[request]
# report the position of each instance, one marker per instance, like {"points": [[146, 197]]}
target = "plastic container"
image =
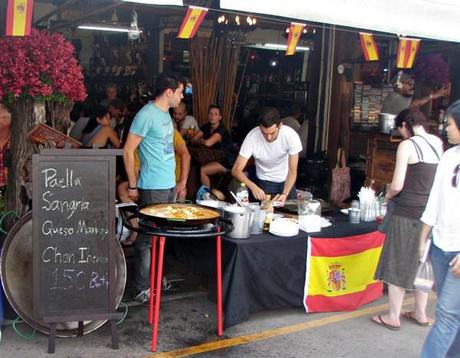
{"points": [[309, 212], [242, 194], [355, 204], [255, 220], [353, 215], [368, 210]]}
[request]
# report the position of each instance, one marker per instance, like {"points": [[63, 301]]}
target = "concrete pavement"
{"points": [[187, 327]]}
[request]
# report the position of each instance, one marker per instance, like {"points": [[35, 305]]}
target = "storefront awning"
{"points": [[433, 19]]}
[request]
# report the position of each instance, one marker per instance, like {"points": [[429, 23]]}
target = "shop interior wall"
{"points": [[346, 51]]}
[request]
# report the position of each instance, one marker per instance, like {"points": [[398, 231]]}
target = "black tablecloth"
{"points": [[263, 272]]}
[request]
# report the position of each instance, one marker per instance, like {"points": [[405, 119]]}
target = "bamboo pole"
{"points": [[243, 72], [229, 96], [205, 60]]}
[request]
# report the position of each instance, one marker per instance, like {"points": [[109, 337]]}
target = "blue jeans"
{"points": [[143, 243], [273, 188], [444, 338]]}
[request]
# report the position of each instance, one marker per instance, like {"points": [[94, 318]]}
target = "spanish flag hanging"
{"points": [[368, 46], [295, 31], [340, 271], [19, 17], [407, 50], [192, 21]]}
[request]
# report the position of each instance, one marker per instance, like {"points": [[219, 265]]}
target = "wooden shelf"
{"points": [[381, 160]]}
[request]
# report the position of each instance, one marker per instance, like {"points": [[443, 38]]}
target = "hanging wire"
{"points": [[19, 333], [125, 313], [3, 217]]}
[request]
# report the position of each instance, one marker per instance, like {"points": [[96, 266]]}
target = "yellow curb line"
{"points": [[230, 342]]}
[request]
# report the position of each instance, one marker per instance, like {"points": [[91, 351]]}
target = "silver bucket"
{"points": [[241, 218]]}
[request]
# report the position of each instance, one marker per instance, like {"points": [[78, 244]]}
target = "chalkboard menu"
{"points": [[73, 233]]}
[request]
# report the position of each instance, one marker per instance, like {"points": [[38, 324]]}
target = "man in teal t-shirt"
{"points": [[156, 150], [152, 134]]}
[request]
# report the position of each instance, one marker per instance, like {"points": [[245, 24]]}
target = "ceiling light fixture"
{"points": [[271, 46], [251, 20], [105, 27]]}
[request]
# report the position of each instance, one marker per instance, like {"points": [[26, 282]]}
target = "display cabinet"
{"points": [[381, 160]]}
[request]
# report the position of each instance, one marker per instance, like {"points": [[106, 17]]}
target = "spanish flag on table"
{"points": [[340, 272], [192, 21], [295, 31], [407, 50], [19, 17], [368, 46]]}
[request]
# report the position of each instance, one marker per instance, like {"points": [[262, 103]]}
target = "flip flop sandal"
{"points": [[409, 315], [382, 323]]}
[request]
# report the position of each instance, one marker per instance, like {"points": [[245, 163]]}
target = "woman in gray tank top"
{"points": [[416, 160]]}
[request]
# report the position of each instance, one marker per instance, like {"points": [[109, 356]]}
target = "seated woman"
{"points": [[98, 131], [214, 135]]}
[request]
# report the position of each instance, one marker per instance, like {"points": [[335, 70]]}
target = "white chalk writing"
{"points": [[63, 205], [64, 182]]}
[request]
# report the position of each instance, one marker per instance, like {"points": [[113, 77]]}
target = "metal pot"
{"points": [[386, 122], [241, 218]]}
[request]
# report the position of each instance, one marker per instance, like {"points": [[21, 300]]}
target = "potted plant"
{"points": [[37, 68]]}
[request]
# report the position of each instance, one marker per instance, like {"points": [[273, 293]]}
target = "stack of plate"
{"points": [[284, 227]]}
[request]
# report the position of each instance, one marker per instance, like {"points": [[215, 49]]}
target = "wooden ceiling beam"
{"points": [[87, 16], [57, 10]]}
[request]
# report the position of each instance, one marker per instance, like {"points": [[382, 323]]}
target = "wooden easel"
{"points": [[113, 318]]}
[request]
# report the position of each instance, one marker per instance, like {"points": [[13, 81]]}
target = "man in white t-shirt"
{"points": [[182, 121], [275, 149]]}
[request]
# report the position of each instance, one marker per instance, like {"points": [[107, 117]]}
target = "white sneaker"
{"points": [[143, 296]]}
